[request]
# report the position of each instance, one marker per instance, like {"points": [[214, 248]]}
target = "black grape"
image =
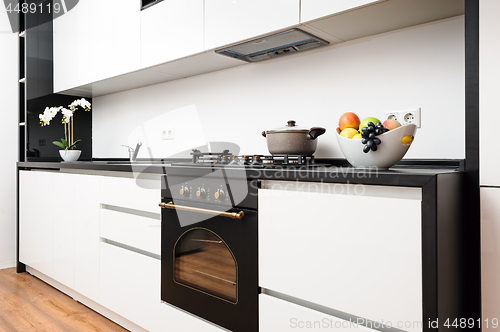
{"points": [[372, 135], [376, 141], [374, 147], [366, 149], [364, 140]]}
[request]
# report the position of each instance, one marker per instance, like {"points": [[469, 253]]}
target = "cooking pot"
{"points": [[293, 140]]}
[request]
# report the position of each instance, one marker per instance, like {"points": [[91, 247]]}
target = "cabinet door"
{"points": [[490, 253], [230, 21], [278, 315], [73, 47], [489, 71], [35, 223], [313, 9], [357, 254], [63, 227], [130, 286], [170, 30], [86, 218]]}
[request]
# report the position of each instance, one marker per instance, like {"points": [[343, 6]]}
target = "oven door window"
{"points": [[203, 261]]}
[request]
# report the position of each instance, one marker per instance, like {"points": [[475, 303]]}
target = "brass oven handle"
{"points": [[233, 215]]}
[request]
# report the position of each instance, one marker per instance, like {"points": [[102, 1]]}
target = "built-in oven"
{"points": [[209, 257]]}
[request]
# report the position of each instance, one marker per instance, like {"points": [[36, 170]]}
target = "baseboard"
{"points": [[111, 315]]}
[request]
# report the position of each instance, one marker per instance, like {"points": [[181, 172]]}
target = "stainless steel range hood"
{"points": [[273, 46]]}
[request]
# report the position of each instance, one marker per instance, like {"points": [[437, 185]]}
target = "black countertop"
{"points": [[402, 175]]}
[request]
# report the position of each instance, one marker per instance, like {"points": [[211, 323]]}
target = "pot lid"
{"points": [[290, 127]]}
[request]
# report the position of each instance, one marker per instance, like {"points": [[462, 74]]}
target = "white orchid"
{"points": [[48, 115], [67, 114], [68, 143]]}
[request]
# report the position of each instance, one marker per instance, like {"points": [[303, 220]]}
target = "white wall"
{"points": [[8, 137], [421, 66]]}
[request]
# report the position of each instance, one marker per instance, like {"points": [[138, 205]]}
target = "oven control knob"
{"points": [[184, 191], [220, 195], [201, 193]]}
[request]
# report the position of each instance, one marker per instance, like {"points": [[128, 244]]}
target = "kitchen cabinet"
{"points": [[489, 71], [279, 315], [313, 9], [490, 254], [356, 253], [58, 227], [115, 38], [73, 47], [170, 30], [230, 21], [35, 226], [86, 219]]}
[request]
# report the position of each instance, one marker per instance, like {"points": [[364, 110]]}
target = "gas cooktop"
{"points": [[226, 158]]}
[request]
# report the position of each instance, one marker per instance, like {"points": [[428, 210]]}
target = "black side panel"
{"points": [[39, 54], [471, 248]]}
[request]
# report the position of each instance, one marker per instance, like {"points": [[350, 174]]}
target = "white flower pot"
{"points": [[70, 155]]}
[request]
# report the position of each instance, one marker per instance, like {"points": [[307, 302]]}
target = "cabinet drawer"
{"points": [[279, 315], [133, 230], [130, 286], [126, 192], [341, 251]]}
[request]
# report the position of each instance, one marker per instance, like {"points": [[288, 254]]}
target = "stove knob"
{"points": [[184, 191], [201, 193], [220, 195]]}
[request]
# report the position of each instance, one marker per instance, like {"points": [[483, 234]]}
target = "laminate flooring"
{"points": [[29, 304]]}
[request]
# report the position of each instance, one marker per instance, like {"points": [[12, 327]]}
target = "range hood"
{"points": [[272, 46]]}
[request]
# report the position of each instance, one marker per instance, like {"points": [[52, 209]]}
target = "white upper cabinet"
{"points": [[229, 21], [489, 71], [313, 9], [116, 38], [73, 47], [170, 30]]}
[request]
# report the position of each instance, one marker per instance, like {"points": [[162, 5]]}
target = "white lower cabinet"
{"points": [[276, 315], [130, 286], [354, 253], [86, 220]]}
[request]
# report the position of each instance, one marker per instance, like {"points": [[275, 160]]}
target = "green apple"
{"points": [[364, 123]]}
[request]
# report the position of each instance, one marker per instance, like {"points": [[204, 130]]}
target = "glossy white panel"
{"points": [[9, 67], [489, 71], [136, 231], [36, 201], [279, 315], [312, 9], [63, 226], [343, 252], [490, 254], [86, 217], [229, 21], [130, 286], [102, 55], [171, 29], [126, 36], [143, 195]]}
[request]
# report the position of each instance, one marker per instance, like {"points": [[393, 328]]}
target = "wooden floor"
{"points": [[29, 304]]}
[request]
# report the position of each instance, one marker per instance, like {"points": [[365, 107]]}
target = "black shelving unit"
{"points": [[22, 87]]}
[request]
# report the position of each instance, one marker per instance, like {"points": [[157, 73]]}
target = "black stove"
{"points": [[226, 158]]}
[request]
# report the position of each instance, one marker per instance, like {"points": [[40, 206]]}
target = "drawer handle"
{"points": [[232, 215]]}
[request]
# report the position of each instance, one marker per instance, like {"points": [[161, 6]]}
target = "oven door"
{"points": [[210, 268]]}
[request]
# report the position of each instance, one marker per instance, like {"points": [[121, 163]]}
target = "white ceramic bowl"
{"points": [[70, 155], [388, 153]]}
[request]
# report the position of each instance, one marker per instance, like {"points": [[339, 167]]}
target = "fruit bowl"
{"points": [[391, 149]]}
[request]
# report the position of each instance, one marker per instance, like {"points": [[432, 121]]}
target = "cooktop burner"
{"points": [[226, 158]]}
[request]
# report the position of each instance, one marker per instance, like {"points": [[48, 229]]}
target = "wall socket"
{"points": [[168, 133], [406, 117]]}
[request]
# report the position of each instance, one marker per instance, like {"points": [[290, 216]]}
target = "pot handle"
{"points": [[315, 132], [264, 133]]}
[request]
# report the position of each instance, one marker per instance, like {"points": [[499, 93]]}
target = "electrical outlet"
{"points": [[392, 115], [411, 116], [168, 133], [406, 117]]}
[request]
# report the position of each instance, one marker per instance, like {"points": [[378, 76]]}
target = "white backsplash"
{"points": [[422, 66]]}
